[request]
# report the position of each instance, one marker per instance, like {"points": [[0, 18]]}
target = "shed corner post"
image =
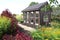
{"points": [[39, 18], [25, 17]]}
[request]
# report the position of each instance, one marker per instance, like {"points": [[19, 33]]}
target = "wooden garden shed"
{"points": [[33, 15]]}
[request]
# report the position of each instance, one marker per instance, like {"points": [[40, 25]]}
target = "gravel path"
{"points": [[27, 28]]}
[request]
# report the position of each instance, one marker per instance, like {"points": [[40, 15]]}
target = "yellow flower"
{"points": [[57, 32]]}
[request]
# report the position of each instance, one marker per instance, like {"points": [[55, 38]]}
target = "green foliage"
{"points": [[53, 1], [52, 34], [46, 33], [20, 18], [46, 8], [37, 35], [55, 23], [50, 6], [33, 3], [55, 33], [4, 25]]}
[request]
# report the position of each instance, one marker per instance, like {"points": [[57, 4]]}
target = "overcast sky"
{"points": [[16, 6]]}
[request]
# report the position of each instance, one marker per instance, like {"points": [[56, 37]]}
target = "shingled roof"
{"points": [[35, 7]]}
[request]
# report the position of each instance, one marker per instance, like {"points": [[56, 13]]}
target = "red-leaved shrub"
{"points": [[15, 31], [18, 36], [14, 21], [22, 36]]}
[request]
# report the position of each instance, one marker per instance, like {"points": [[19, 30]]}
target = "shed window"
{"points": [[36, 20], [31, 20], [37, 15], [45, 18]]}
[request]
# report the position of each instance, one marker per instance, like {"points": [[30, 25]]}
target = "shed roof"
{"points": [[34, 7]]}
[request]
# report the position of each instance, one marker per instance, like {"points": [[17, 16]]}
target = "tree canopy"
{"points": [[53, 1], [49, 6], [50, 2], [33, 3]]}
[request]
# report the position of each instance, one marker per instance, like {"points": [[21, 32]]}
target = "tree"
{"points": [[53, 1], [49, 6], [33, 3]]}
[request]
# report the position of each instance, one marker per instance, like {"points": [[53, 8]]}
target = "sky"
{"points": [[16, 6]]}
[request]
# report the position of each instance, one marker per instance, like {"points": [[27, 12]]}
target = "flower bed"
{"points": [[47, 33]]}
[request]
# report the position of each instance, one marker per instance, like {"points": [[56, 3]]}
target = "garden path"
{"points": [[26, 27]]}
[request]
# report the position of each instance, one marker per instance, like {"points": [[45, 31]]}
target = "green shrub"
{"points": [[56, 33], [4, 25], [46, 34], [37, 35]]}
